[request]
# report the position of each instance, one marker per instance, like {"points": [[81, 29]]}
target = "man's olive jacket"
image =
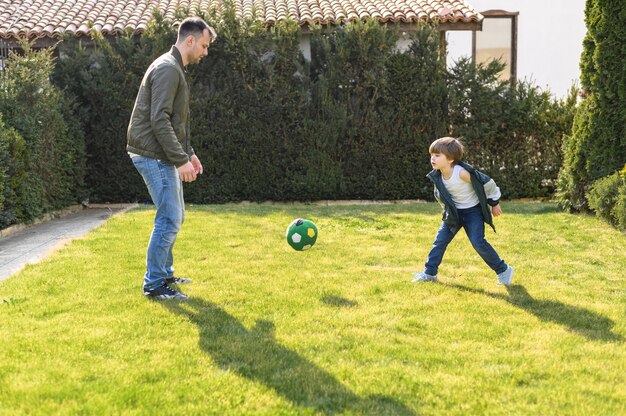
{"points": [[159, 125]]}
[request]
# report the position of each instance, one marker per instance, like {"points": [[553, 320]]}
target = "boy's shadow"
{"points": [[578, 320], [255, 354]]}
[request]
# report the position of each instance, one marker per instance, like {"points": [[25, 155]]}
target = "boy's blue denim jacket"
{"points": [[486, 189]]}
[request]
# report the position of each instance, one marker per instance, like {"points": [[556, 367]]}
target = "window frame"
{"points": [[502, 14]]}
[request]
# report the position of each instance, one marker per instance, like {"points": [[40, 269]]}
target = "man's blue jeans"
{"points": [[166, 191], [472, 221]]}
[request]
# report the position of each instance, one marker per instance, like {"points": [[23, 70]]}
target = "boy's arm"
{"points": [[493, 193], [493, 197], [491, 189]]}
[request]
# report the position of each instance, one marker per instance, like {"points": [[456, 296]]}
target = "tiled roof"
{"points": [[53, 18]]}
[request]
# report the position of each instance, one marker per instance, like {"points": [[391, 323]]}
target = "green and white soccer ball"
{"points": [[301, 234]]}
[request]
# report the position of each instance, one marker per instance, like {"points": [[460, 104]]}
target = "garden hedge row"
{"points": [[353, 123], [41, 145]]}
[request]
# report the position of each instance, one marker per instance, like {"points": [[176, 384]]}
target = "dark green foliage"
{"points": [[44, 156], [104, 82], [355, 122], [386, 107], [597, 146], [13, 178], [249, 99], [273, 128], [5, 157], [512, 132], [607, 198]]}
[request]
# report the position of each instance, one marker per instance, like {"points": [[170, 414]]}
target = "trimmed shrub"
{"points": [[386, 107], [513, 132], [353, 123], [619, 211], [248, 107], [607, 198], [4, 161], [45, 155], [14, 180], [103, 81]]}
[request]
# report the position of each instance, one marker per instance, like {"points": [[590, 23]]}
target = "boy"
{"points": [[466, 195]]}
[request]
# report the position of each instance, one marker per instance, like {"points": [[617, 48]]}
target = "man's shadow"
{"points": [[577, 320], [255, 354]]}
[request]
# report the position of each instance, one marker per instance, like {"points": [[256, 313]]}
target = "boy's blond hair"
{"points": [[449, 146]]}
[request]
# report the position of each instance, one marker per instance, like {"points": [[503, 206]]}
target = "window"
{"points": [[497, 40]]}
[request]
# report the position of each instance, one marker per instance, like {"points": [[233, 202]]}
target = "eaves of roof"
{"points": [[52, 19]]}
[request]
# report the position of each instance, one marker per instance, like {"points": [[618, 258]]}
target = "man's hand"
{"points": [[197, 165], [497, 210], [187, 172]]}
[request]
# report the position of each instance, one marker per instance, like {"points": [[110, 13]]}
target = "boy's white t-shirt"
{"points": [[462, 193]]}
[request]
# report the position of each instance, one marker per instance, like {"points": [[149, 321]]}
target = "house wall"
{"points": [[549, 40], [305, 45]]}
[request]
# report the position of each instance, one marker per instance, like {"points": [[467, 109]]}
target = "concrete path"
{"points": [[32, 243]]}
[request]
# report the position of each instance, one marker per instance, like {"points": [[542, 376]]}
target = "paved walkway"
{"points": [[31, 244]]}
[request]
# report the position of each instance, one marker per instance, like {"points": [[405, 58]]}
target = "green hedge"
{"points": [[103, 81], [12, 174], [41, 145], [513, 132], [355, 122]]}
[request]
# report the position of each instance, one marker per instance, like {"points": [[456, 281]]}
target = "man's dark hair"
{"points": [[192, 26]]}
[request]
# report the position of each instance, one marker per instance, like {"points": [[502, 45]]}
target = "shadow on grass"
{"points": [[338, 301], [255, 354], [578, 320]]}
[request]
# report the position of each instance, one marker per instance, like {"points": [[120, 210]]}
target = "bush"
{"points": [[104, 82], [12, 174], [248, 115], [45, 156], [382, 122], [619, 211], [607, 198], [355, 123], [513, 132]]}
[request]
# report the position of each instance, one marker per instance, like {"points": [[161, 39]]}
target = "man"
{"points": [[159, 146]]}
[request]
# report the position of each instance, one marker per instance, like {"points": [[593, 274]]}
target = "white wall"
{"points": [[549, 40], [305, 45]]}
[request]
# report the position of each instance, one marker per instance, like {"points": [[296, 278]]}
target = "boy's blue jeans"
{"points": [[166, 191], [471, 220]]}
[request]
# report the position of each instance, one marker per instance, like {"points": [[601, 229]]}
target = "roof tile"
{"points": [[51, 18]]}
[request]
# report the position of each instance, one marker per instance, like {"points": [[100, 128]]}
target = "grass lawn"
{"points": [[337, 329]]}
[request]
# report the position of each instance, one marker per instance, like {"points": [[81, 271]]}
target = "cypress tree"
{"points": [[597, 146]]}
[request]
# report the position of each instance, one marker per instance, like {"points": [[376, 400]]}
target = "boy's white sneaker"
{"points": [[506, 276], [423, 277]]}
